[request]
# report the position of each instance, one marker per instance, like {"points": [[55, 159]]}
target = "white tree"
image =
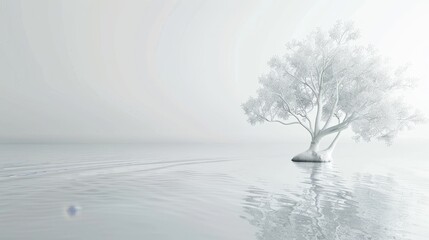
{"points": [[329, 82]]}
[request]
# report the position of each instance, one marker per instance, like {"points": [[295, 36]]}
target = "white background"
{"points": [[173, 71]]}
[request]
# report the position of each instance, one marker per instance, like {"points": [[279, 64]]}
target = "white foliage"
{"points": [[328, 82]]}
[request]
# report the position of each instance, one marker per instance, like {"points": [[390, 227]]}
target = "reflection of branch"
{"points": [[293, 219], [314, 187], [324, 209]]}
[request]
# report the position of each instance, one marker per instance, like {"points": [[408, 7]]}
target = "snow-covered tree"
{"points": [[329, 82]]}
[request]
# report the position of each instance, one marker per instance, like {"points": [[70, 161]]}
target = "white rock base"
{"points": [[313, 156]]}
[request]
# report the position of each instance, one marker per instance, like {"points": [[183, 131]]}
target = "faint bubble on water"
{"points": [[73, 210]]}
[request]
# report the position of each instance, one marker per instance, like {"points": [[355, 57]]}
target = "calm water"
{"points": [[211, 192]]}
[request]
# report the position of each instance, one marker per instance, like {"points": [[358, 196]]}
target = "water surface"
{"points": [[210, 192]]}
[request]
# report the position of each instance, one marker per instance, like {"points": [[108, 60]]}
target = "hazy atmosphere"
{"points": [[173, 71], [214, 119]]}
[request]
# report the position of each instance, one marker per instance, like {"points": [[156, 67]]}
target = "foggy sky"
{"points": [[168, 71]]}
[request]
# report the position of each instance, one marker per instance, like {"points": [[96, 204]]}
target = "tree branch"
{"points": [[334, 142], [340, 126], [294, 115], [334, 106], [308, 119], [301, 81], [278, 121]]}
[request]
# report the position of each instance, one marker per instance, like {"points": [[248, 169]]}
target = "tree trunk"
{"points": [[314, 146]]}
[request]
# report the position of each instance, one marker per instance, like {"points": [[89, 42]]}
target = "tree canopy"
{"points": [[330, 81]]}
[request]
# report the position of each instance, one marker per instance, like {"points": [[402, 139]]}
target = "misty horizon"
{"points": [[171, 71], [199, 119]]}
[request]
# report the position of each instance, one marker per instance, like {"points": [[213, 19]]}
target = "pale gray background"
{"points": [[172, 71]]}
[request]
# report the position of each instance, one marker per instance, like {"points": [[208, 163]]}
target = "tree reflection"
{"points": [[325, 209]]}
